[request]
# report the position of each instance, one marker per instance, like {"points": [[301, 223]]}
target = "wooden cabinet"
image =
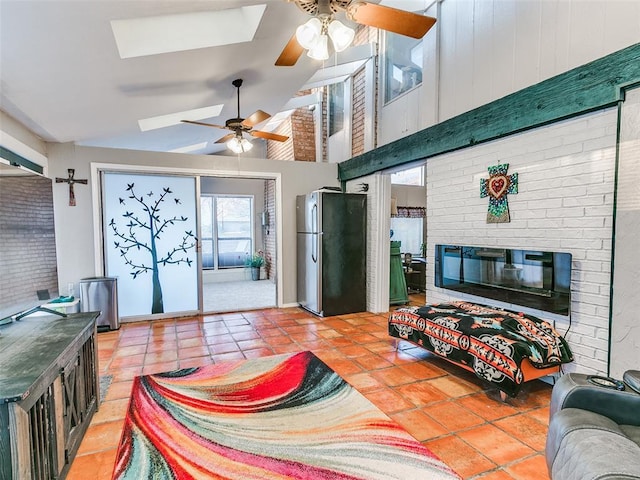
{"points": [[48, 393]]}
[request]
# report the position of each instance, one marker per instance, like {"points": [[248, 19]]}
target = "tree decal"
{"points": [[140, 234]]}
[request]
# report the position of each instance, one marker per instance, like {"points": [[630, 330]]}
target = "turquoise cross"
{"points": [[497, 187]]}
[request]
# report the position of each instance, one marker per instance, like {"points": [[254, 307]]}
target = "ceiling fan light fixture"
{"points": [[308, 33], [341, 35], [239, 144], [320, 51]]}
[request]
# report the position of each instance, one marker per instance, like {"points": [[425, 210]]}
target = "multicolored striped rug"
{"points": [[281, 417]]}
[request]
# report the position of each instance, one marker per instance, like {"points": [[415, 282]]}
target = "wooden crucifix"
{"points": [[71, 181]]}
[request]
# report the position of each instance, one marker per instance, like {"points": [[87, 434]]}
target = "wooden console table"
{"points": [[48, 393]]}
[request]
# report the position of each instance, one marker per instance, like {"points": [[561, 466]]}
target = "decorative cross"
{"points": [[71, 181], [496, 187]]}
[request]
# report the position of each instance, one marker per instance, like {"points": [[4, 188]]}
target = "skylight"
{"points": [[136, 37], [175, 118]]}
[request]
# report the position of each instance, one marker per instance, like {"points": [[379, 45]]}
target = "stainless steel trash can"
{"points": [[101, 294]]}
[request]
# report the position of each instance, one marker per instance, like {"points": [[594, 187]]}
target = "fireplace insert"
{"points": [[529, 278]]}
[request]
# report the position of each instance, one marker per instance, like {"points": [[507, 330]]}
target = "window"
{"points": [[336, 108], [403, 65], [409, 231], [412, 176], [227, 233]]}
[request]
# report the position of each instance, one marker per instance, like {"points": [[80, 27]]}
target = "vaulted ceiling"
{"points": [[66, 77]]}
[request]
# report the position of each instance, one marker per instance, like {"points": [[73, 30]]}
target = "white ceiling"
{"points": [[62, 77]]}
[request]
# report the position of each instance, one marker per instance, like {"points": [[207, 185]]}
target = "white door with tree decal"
{"points": [[150, 242]]}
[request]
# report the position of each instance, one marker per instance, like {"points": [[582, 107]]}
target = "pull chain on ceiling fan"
{"points": [[238, 125], [313, 35]]}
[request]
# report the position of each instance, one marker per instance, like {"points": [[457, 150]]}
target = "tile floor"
{"points": [[452, 413]]}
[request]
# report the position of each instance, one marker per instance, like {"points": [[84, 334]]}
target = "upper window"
{"points": [[412, 176], [336, 107], [403, 65]]}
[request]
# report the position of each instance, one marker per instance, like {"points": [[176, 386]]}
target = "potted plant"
{"points": [[254, 262]]}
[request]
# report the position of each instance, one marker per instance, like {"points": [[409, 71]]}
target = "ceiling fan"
{"points": [[236, 141], [313, 34]]}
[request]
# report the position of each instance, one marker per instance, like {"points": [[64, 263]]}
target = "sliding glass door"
{"points": [[150, 244]]}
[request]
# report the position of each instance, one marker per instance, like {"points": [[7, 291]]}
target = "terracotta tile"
{"points": [[372, 362], [388, 401], [453, 416], [252, 344], [97, 465], [343, 367], [280, 340], [531, 468], [290, 348], [529, 430], [130, 350], [488, 408], [420, 394], [364, 338], [258, 352], [160, 357], [195, 362], [123, 374], [192, 352], [191, 342], [393, 376], [363, 382], [110, 411], [248, 335], [454, 386], [271, 332], [353, 351], [118, 390], [227, 357], [162, 346], [160, 367], [460, 456], [419, 425], [221, 348], [423, 370], [130, 361], [340, 342], [101, 437], [127, 341], [496, 445]]}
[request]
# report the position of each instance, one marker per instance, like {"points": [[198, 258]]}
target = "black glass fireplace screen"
{"points": [[529, 278]]}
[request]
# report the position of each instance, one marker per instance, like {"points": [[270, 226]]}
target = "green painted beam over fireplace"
{"points": [[583, 89]]}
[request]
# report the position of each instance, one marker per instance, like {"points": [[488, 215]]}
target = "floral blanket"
{"points": [[491, 341]]}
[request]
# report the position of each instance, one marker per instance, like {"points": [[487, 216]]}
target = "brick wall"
{"points": [[358, 113], [269, 233], [300, 128], [565, 204], [27, 241]]}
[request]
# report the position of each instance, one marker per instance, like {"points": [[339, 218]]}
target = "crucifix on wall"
{"points": [[71, 181], [496, 187]]}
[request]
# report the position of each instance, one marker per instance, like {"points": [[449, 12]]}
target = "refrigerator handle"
{"points": [[314, 222]]}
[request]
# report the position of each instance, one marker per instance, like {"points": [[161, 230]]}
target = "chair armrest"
{"points": [[574, 390]]}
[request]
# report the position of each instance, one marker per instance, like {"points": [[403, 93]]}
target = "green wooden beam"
{"points": [[583, 89], [15, 159]]}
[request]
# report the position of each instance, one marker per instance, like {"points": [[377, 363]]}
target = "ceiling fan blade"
{"points": [[290, 54], [268, 136], [226, 138], [203, 124], [255, 118], [391, 19]]}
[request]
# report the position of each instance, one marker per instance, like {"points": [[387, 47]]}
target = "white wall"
{"points": [[78, 250], [482, 50], [625, 323], [564, 204]]}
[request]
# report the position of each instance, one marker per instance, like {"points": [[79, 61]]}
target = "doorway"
{"points": [[237, 224], [409, 227]]}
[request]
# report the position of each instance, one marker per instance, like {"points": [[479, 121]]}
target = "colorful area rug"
{"points": [[281, 417]]}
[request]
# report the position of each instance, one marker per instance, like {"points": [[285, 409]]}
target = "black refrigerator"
{"points": [[331, 252]]}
